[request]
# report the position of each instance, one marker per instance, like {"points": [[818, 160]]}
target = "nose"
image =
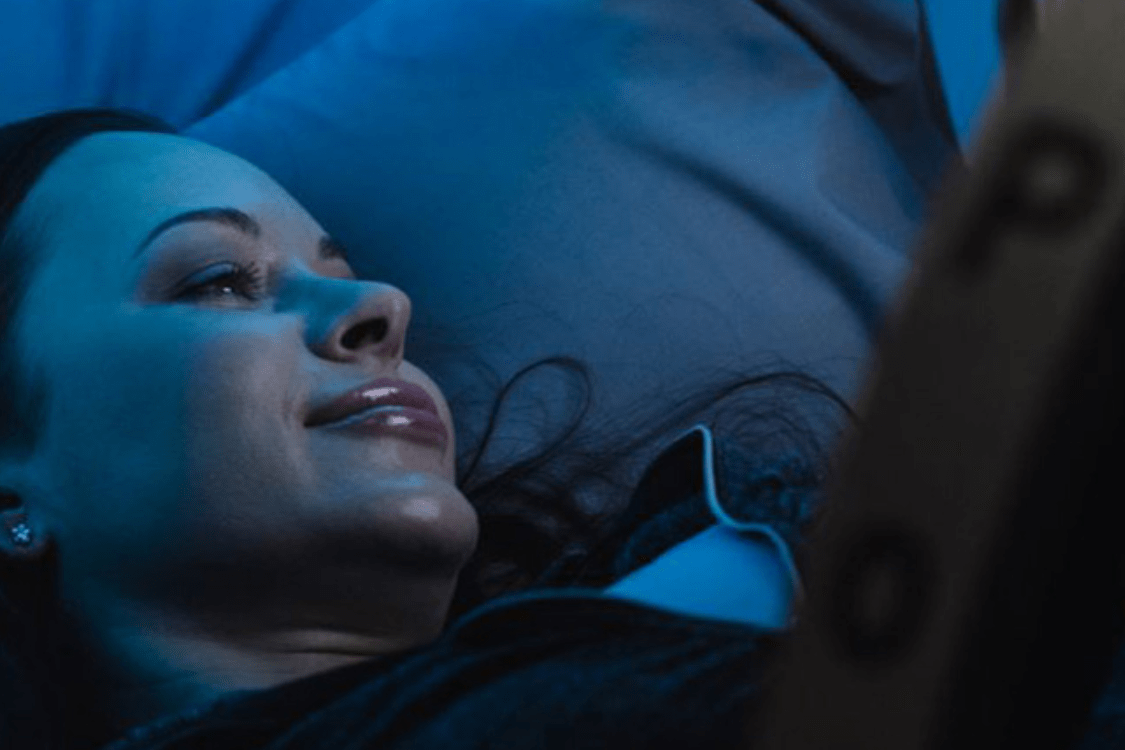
{"points": [[359, 320]]}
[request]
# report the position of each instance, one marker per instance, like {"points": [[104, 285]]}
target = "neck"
{"points": [[161, 659], [202, 670]]}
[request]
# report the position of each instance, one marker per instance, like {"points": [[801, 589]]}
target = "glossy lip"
{"points": [[407, 422], [379, 392]]}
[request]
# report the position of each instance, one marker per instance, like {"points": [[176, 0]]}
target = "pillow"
{"points": [[967, 41], [669, 189], [178, 59]]}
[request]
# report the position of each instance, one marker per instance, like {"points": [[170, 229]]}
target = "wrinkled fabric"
{"points": [[966, 43], [180, 60], [669, 506], [670, 191]]}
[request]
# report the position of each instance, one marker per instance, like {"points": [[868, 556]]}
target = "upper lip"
{"points": [[378, 392]]}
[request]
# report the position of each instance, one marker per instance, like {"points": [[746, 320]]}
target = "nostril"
{"points": [[375, 329]]}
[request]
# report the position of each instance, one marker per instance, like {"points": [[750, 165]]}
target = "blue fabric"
{"points": [[718, 574], [668, 190], [735, 570], [967, 46], [178, 59]]}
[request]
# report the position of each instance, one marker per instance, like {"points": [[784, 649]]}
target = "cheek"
{"points": [[242, 427], [159, 413], [117, 391], [242, 377], [114, 446], [245, 381]]}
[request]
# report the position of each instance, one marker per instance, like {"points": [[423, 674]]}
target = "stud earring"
{"points": [[21, 534]]}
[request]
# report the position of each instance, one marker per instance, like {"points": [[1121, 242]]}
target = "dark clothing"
{"points": [[562, 666], [557, 667], [561, 670], [558, 671], [552, 668]]}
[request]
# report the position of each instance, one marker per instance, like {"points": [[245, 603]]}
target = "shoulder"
{"points": [[701, 538], [717, 574], [740, 571]]}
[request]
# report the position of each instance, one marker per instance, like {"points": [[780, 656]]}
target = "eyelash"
{"points": [[246, 280]]}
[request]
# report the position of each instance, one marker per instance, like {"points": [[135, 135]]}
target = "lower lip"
{"points": [[397, 421]]}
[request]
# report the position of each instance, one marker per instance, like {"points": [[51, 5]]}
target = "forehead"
{"points": [[157, 167], [110, 189]]}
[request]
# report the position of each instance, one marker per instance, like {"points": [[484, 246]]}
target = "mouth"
{"points": [[416, 425], [384, 407]]}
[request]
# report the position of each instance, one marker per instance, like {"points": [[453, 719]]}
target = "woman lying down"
{"points": [[231, 513]]}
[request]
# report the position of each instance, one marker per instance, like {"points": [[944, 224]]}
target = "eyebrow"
{"points": [[328, 247]]}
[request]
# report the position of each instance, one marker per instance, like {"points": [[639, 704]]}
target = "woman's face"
{"points": [[177, 468]]}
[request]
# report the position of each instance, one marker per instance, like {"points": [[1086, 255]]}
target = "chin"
{"points": [[436, 534]]}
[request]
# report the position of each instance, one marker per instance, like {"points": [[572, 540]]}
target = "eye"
{"points": [[223, 281]]}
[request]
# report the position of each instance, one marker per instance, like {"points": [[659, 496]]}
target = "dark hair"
{"points": [[531, 512], [43, 659], [536, 530], [27, 148]]}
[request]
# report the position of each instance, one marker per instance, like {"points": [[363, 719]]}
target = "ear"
{"points": [[23, 538]]}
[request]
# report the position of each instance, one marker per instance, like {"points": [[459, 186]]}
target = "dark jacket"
{"points": [[558, 667], [555, 667]]}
